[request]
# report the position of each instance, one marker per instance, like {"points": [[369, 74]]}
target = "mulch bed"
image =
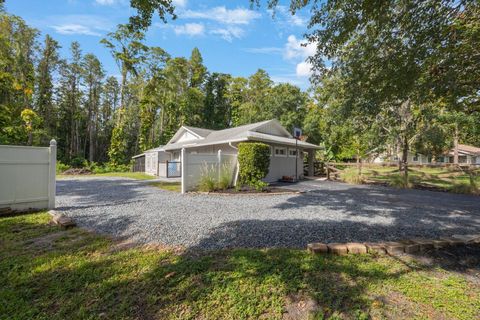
{"points": [[267, 191], [77, 171]]}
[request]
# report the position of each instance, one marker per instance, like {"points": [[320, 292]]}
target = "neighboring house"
{"points": [[286, 151], [466, 155]]}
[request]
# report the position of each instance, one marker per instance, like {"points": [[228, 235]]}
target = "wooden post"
{"points": [[52, 165], [311, 158], [219, 165], [328, 170], [183, 159]]}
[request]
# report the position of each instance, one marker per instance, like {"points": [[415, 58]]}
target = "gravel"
{"points": [[326, 212]]}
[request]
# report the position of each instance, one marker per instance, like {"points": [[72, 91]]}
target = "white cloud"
{"points": [[223, 15], [179, 3], [295, 48], [90, 25], [105, 2], [303, 69], [191, 29], [284, 17], [75, 29], [228, 33], [265, 50]]}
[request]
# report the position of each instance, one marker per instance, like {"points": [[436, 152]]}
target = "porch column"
{"points": [[311, 158]]}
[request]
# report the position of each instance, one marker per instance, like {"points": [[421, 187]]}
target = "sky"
{"points": [[232, 37]]}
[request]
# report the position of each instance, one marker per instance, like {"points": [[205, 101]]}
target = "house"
{"points": [[466, 155], [286, 152]]}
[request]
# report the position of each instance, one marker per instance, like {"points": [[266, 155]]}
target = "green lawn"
{"points": [[169, 186], [132, 175], [49, 273], [435, 178]]}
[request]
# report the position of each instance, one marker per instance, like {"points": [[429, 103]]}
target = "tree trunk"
{"points": [[455, 145], [405, 160]]}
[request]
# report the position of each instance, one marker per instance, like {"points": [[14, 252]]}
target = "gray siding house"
{"points": [[286, 152]]}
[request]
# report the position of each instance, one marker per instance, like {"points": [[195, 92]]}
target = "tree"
{"points": [[93, 74], [44, 104], [17, 75], [146, 9], [385, 52], [71, 115]]}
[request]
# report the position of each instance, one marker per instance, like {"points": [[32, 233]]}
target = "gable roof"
{"points": [[199, 131], [238, 134], [469, 149]]}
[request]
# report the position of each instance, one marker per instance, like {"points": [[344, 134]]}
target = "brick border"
{"points": [[394, 247]]}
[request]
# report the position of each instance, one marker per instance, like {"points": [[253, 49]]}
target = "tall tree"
{"points": [[48, 64], [93, 74], [70, 97]]}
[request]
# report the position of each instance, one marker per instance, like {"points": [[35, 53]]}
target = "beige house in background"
{"points": [[466, 155], [286, 152]]}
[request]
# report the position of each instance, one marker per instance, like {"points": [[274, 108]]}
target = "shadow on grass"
{"points": [[86, 279]]}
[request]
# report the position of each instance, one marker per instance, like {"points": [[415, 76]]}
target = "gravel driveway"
{"points": [[328, 212]]}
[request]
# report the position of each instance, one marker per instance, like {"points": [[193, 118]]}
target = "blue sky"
{"points": [[231, 36]]}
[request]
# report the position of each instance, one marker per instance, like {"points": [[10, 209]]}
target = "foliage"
{"points": [[225, 179], [42, 266], [169, 186], [254, 162], [61, 167], [207, 182]]}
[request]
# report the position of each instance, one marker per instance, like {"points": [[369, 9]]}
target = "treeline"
{"points": [[104, 119]]}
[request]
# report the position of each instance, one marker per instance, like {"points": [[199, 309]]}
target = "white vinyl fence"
{"points": [[196, 165], [27, 177]]}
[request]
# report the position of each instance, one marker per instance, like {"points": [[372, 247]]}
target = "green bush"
{"points": [[62, 167], [254, 160], [78, 162]]}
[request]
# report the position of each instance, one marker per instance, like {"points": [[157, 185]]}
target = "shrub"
{"points": [[61, 167], [207, 181], [78, 162], [225, 178], [254, 160]]}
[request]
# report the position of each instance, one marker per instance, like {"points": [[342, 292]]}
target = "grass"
{"points": [[169, 186], [132, 175], [50, 273], [435, 178]]}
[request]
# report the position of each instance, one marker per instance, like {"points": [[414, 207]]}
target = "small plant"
{"points": [[398, 181], [207, 179], [352, 177], [62, 167], [464, 188], [225, 178]]}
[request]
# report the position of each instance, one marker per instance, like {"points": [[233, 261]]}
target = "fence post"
{"points": [[183, 159], [52, 166], [219, 159]]}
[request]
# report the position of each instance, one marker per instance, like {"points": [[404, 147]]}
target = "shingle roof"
{"points": [[469, 149], [199, 131], [237, 134]]}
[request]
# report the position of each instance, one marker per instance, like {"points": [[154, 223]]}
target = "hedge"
{"points": [[254, 161]]}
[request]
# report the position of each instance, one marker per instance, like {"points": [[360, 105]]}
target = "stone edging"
{"points": [[393, 247], [61, 219]]}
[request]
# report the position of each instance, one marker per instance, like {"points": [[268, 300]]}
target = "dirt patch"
{"points": [[47, 241], [299, 307], [395, 306]]}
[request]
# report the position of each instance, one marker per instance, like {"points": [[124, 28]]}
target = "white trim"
{"points": [[290, 155], [280, 155]]}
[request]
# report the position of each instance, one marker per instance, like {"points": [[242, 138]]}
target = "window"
{"points": [[280, 152], [292, 152], [415, 158]]}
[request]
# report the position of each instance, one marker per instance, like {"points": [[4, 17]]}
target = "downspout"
{"points": [[237, 167]]}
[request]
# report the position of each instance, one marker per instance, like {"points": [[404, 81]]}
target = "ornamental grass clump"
{"points": [[207, 181], [254, 161]]}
